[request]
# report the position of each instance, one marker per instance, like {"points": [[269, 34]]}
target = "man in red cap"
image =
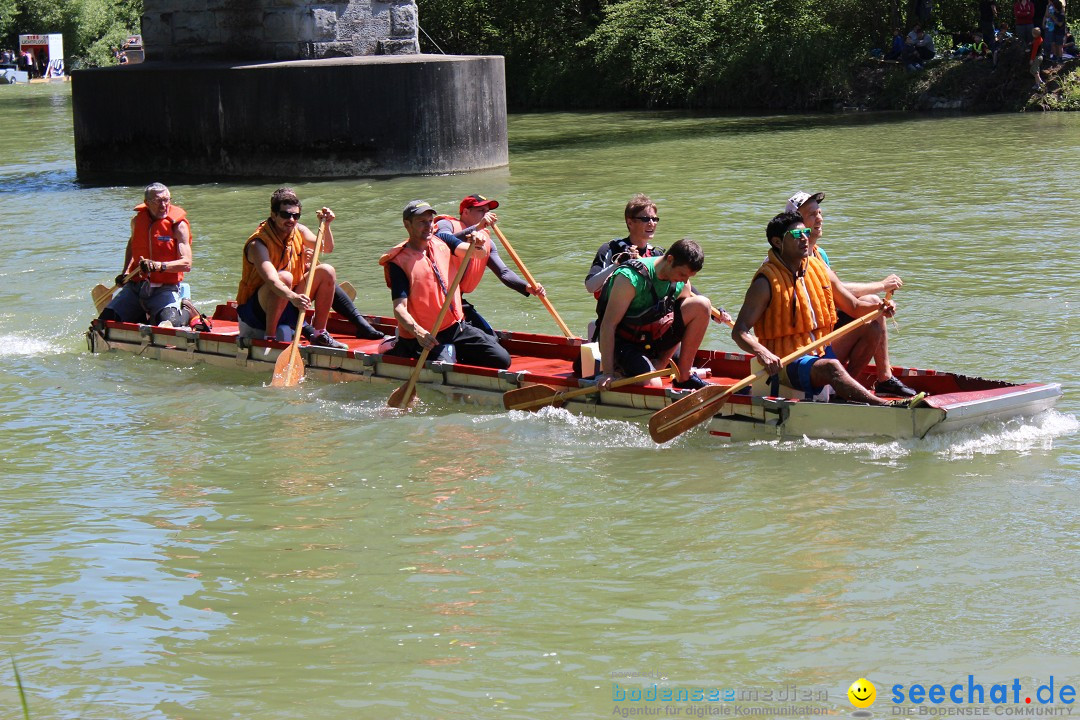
{"points": [[475, 216]]}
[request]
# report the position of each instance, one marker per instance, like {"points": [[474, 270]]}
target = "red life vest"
{"points": [[426, 293], [155, 240], [477, 263]]}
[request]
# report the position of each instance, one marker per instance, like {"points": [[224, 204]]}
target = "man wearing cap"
{"points": [[475, 216], [419, 272], [791, 301], [808, 206]]}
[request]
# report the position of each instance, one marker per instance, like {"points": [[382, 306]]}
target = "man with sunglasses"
{"points": [[641, 223], [475, 215], [793, 300], [809, 208], [160, 248], [419, 273], [274, 271]]}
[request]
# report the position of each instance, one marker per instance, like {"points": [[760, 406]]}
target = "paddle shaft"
{"points": [[532, 282], [578, 392], [407, 389], [718, 317], [293, 369], [701, 406], [108, 293]]}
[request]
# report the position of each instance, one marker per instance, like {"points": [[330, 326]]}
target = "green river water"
{"points": [[183, 542]]}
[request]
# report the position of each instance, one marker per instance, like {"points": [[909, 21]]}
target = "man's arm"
{"points": [[310, 237], [856, 306], [892, 283], [601, 269], [260, 258], [619, 298], [508, 277], [408, 323], [182, 233], [754, 305]]}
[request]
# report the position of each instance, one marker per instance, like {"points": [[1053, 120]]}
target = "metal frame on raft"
{"points": [[957, 400]]}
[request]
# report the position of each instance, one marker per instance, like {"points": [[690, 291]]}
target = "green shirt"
{"points": [[643, 299]]}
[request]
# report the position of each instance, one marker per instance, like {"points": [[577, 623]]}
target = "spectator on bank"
{"points": [[7, 57], [1054, 30], [1024, 17], [923, 43], [1035, 58], [1069, 47], [988, 12], [896, 52]]}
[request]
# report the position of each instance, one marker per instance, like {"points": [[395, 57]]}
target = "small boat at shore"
{"points": [[954, 400]]}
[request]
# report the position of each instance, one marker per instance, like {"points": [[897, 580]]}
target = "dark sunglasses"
{"points": [[286, 215], [646, 218]]}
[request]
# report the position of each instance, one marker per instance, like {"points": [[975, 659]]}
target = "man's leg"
{"points": [[345, 307], [474, 347], [855, 349], [322, 294], [695, 317], [272, 304], [163, 304], [831, 372], [125, 305]]}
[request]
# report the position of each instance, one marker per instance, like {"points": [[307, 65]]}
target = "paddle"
{"points": [[102, 295], [699, 406], [403, 396], [529, 279], [348, 289], [534, 397], [289, 367]]}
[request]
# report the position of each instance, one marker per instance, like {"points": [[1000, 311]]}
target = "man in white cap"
{"points": [[808, 205]]}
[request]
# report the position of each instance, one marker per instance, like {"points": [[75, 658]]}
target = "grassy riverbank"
{"points": [[965, 84]]}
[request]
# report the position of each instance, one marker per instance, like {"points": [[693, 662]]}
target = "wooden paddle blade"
{"points": [[398, 398], [289, 368], [530, 397], [348, 289], [102, 297], [681, 415]]}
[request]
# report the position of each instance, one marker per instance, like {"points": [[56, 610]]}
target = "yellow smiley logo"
{"points": [[862, 693]]}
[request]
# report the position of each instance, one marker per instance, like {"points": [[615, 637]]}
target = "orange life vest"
{"points": [[801, 308], [477, 263], [155, 240], [287, 254], [426, 293]]}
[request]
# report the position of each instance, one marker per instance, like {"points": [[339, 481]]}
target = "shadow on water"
{"points": [[530, 133]]}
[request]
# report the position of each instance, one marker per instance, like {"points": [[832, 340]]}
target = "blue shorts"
{"points": [[253, 319], [798, 373]]}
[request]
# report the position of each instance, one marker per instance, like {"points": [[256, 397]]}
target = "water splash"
{"points": [[578, 430], [1018, 435], [11, 345]]}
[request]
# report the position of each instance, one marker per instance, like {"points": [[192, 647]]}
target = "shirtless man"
{"points": [[269, 298]]}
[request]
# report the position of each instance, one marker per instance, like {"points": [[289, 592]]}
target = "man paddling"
{"points": [[792, 300], [268, 300], [808, 205], [160, 247], [419, 272], [646, 309], [474, 217]]}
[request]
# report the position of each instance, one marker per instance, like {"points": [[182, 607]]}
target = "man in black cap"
{"points": [[808, 205], [419, 273], [475, 216]]}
